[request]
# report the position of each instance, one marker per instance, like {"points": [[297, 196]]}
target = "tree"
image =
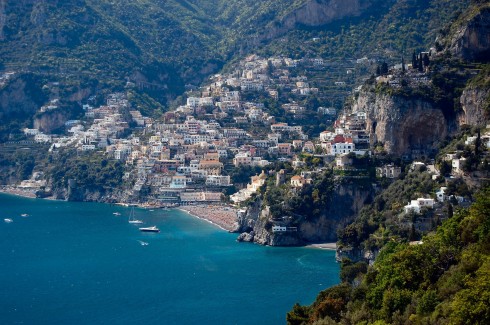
{"points": [[414, 61], [384, 68]]}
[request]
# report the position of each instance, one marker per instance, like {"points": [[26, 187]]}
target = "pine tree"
{"points": [[426, 60]]}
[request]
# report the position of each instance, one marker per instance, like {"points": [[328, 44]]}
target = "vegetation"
{"points": [[309, 201], [85, 170], [444, 280]]}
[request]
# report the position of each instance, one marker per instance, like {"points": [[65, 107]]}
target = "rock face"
{"points": [[20, 97], [317, 13], [404, 125], [471, 41], [256, 224], [474, 102], [50, 120]]}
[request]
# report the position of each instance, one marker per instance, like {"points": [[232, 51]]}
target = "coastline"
{"points": [[327, 246], [31, 194], [222, 217]]}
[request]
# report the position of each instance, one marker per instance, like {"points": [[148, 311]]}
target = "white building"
{"points": [[418, 204]]}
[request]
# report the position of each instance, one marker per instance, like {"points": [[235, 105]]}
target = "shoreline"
{"points": [[30, 194], [222, 217], [326, 246]]}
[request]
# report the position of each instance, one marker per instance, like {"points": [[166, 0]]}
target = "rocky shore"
{"points": [[18, 191], [222, 216]]}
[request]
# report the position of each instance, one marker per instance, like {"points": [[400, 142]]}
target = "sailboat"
{"points": [[132, 219]]}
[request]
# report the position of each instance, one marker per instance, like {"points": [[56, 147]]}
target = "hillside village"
{"points": [[189, 155]]}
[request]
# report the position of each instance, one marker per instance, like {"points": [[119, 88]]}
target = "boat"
{"points": [[143, 243], [8, 220], [150, 229], [132, 220], [24, 215], [116, 213]]}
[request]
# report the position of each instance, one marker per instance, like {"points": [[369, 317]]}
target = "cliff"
{"points": [[21, 96], [403, 125], [51, 120], [474, 103], [256, 223], [316, 13], [470, 38]]}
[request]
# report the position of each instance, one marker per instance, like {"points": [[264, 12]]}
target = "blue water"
{"points": [[77, 263]]}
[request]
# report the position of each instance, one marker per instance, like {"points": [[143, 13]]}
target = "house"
{"points": [[284, 148], [388, 171], [279, 127], [178, 181], [218, 180], [297, 181], [343, 160], [279, 229], [441, 194], [242, 158], [418, 204], [211, 167], [457, 165], [309, 147]]}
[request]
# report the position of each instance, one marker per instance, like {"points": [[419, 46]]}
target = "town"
{"points": [[188, 156]]}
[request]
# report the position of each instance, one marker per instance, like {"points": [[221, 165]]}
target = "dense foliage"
{"points": [[443, 280], [309, 201], [85, 170]]}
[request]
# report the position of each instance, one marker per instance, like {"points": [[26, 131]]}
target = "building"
{"points": [[417, 205], [297, 181], [388, 171], [242, 158]]}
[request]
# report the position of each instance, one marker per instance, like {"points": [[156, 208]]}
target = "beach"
{"points": [[330, 246], [224, 217], [30, 193]]}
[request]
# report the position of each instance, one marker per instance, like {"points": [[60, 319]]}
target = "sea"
{"points": [[81, 263]]}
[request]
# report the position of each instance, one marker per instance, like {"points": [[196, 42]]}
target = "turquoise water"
{"points": [[77, 263]]}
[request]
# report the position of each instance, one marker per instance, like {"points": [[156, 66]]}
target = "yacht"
{"points": [[8, 220], [150, 229], [132, 219]]}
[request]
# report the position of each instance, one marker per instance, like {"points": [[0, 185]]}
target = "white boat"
{"points": [[150, 229], [8, 220], [132, 220], [143, 243], [116, 213], [24, 215]]}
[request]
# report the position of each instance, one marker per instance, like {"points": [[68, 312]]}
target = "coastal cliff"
{"points": [[403, 125], [255, 225]]}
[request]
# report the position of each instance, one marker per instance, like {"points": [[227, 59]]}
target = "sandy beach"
{"points": [[17, 191], [332, 246], [224, 217]]}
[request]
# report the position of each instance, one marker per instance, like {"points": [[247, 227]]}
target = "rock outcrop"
{"points": [[471, 40], [51, 120], [474, 102], [21, 96], [403, 125], [255, 225], [317, 13]]}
